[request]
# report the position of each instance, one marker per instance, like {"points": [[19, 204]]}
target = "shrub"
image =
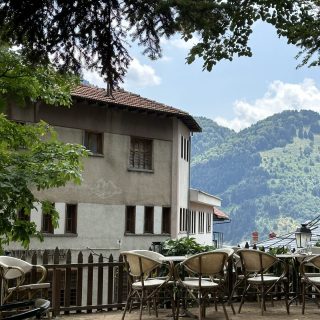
{"points": [[183, 246]]}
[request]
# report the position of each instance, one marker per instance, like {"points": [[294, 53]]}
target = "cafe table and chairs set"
{"points": [[204, 278]]}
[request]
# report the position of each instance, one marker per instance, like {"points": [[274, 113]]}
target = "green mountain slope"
{"points": [[267, 175], [213, 135]]}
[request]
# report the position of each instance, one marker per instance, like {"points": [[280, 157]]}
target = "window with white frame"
{"points": [[201, 222], [192, 222], [183, 221], [209, 222], [184, 148]]}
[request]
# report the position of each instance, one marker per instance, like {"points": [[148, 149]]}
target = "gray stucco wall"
{"points": [[108, 185]]}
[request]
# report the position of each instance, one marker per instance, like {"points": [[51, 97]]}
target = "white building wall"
{"points": [[36, 216], [108, 185], [61, 209], [100, 228], [139, 219], [203, 238], [157, 220], [183, 176]]}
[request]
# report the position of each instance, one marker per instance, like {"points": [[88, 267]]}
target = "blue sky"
{"points": [[235, 94]]}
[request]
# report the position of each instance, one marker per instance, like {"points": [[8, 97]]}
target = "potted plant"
{"points": [[183, 246]]}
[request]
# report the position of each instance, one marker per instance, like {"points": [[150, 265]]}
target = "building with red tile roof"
{"points": [[136, 180]]}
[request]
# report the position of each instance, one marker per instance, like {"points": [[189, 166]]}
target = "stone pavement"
{"points": [[250, 311]]}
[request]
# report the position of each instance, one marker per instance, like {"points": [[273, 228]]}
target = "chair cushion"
{"points": [[148, 283], [195, 284], [257, 279], [315, 280]]}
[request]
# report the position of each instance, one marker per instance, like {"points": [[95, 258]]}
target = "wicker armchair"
{"points": [[143, 288], [310, 280], [15, 270], [29, 309], [207, 281], [256, 267]]}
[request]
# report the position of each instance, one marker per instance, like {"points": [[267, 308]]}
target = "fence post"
{"points": [[56, 284], [90, 283], [100, 281], [110, 281], [45, 260], [79, 281], [67, 290], [120, 281], [34, 261]]}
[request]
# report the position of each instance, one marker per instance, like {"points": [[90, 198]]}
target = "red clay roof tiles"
{"points": [[127, 99], [220, 214]]}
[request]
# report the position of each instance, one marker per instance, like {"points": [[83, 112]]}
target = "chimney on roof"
{"points": [[272, 235], [108, 89], [255, 237]]}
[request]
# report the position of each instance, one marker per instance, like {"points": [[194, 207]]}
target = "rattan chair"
{"points": [[15, 270], [207, 281], [310, 281], [256, 266], [151, 254], [142, 287]]}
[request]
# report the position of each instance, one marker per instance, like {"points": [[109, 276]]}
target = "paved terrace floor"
{"points": [[250, 311]]}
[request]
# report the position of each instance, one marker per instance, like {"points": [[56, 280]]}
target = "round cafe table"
{"points": [[183, 312]]}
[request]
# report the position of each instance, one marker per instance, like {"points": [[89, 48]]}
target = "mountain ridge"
{"points": [[267, 175]]}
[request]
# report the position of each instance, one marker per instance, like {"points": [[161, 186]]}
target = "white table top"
{"points": [[173, 258], [292, 255]]}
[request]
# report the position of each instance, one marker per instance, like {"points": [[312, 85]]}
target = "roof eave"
{"points": [[187, 119]]}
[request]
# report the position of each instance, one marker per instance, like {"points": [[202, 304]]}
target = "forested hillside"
{"points": [[268, 175], [212, 135]]}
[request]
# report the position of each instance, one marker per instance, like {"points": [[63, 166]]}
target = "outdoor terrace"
{"points": [[250, 311], [83, 297]]}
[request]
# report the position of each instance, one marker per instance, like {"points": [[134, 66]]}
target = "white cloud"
{"points": [[141, 75], [138, 75], [94, 78], [165, 59], [179, 43], [280, 96]]}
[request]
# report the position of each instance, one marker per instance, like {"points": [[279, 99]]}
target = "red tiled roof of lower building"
{"points": [[220, 214], [124, 98]]}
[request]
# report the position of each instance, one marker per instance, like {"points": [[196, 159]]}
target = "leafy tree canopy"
{"points": [[31, 159], [95, 33], [22, 81]]}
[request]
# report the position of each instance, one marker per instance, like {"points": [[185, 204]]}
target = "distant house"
{"points": [[135, 188], [203, 214]]}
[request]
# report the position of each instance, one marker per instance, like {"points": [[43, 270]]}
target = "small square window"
{"points": [[140, 154], [93, 142], [71, 218], [130, 219]]}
